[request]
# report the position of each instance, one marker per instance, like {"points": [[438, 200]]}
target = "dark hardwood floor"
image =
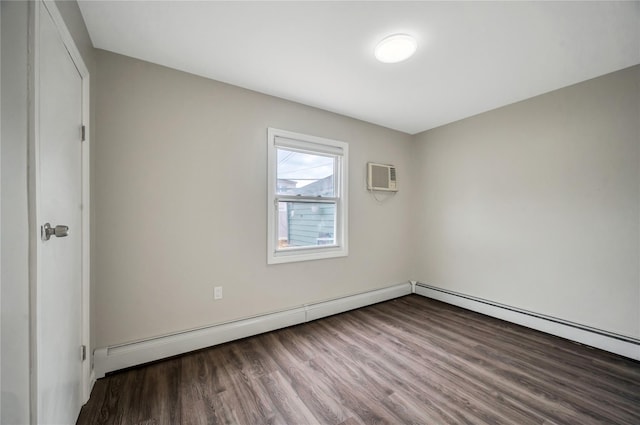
{"points": [[407, 361]]}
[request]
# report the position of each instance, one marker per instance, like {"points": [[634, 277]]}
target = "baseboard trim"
{"points": [[339, 305], [611, 342], [110, 359]]}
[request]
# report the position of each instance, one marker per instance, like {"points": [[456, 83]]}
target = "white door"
{"points": [[58, 178]]}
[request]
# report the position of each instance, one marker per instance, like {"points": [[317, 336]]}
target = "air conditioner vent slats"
{"points": [[381, 177]]}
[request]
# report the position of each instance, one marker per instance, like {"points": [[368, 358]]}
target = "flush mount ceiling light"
{"points": [[396, 48]]}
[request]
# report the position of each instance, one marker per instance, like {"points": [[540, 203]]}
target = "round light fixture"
{"points": [[396, 48]]}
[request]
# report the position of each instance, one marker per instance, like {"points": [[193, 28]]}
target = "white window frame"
{"points": [[315, 145]]}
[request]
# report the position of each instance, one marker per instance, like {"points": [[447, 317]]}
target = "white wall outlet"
{"points": [[217, 293]]}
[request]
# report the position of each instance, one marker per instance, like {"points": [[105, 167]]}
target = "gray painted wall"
{"points": [[536, 205], [180, 204]]}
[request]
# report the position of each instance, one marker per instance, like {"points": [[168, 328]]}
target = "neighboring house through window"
{"points": [[307, 197]]}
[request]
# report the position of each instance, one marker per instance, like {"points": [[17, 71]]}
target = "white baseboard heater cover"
{"points": [[114, 358], [607, 341], [118, 357]]}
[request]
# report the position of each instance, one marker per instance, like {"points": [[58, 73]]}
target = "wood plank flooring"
{"points": [[407, 361]]}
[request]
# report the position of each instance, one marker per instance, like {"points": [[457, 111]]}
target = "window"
{"points": [[307, 197]]}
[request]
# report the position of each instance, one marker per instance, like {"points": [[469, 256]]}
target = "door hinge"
{"points": [[84, 131], [83, 351]]}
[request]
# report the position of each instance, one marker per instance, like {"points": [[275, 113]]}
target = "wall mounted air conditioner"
{"points": [[381, 177]]}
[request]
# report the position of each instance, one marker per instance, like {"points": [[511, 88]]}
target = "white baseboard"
{"points": [[328, 308], [114, 358], [618, 344]]}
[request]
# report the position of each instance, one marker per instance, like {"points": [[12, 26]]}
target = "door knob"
{"points": [[59, 231]]}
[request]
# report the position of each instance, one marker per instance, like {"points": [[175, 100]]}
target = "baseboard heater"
{"points": [[118, 357], [608, 341]]}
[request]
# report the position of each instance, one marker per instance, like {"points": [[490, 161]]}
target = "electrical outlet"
{"points": [[217, 293]]}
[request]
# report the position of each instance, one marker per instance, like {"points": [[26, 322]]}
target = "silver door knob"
{"points": [[59, 231]]}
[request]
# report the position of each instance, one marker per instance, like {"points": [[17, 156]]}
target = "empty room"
{"points": [[320, 212]]}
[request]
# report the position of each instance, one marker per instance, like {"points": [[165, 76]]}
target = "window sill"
{"points": [[296, 255]]}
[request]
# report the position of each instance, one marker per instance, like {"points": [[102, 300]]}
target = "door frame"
{"points": [[35, 218]]}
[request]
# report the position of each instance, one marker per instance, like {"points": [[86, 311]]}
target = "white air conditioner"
{"points": [[381, 177]]}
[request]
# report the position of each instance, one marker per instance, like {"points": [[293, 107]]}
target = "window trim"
{"points": [[311, 144]]}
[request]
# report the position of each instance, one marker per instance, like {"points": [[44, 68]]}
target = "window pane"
{"points": [[306, 224], [305, 174]]}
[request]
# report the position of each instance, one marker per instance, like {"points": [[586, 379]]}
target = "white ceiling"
{"points": [[472, 56]]}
